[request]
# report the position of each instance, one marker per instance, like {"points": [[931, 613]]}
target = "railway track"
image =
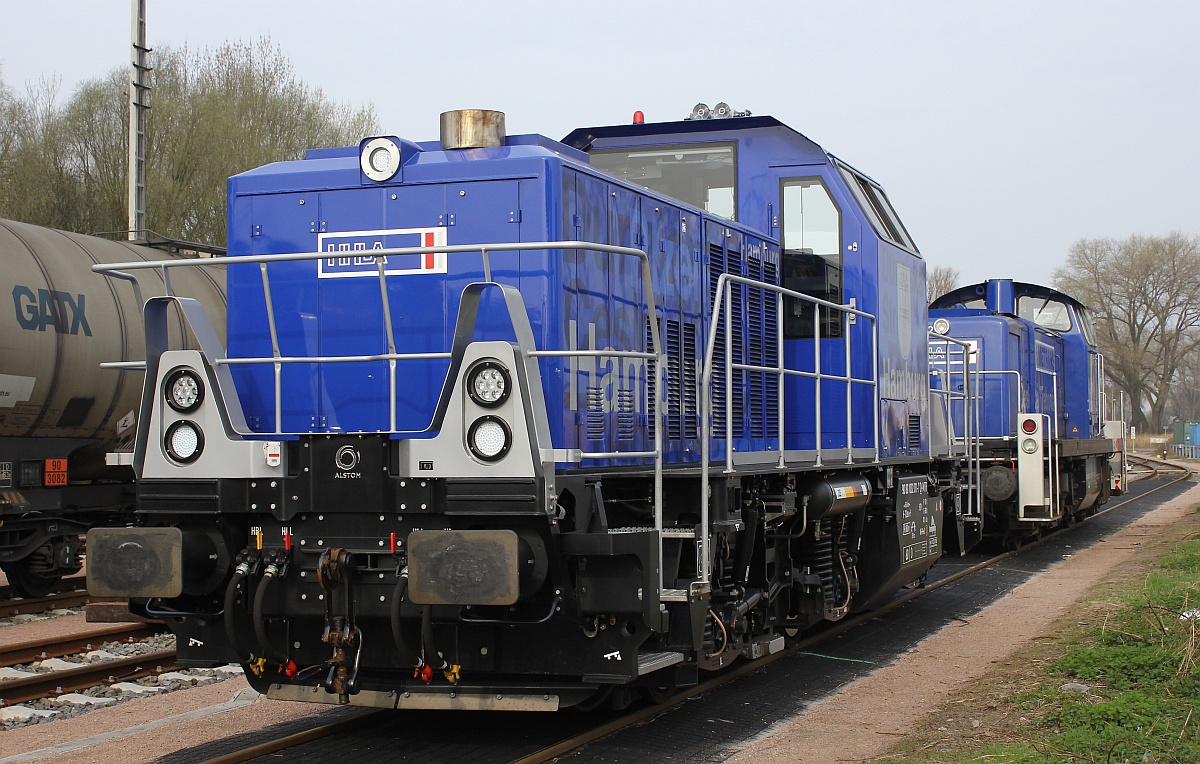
{"points": [[68, 593], [86, 675], [641, 715]]}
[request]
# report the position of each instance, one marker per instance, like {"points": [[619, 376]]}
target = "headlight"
{"points": [[184, 442], [183, 390], [380, 159], [941, 326], [1029, 445], [488, 384], [489, 438], [1029, 426]]}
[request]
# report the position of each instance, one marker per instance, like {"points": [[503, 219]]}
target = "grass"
{"points": [[1137, 658]]}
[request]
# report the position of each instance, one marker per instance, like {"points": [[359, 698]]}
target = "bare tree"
{"points": [[214, 113], [1184, 403], [1144, 293], [939, 280]]}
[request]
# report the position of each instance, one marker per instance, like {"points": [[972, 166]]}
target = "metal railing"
{"points": [[963, 441], [723, 300], [277, 360]]}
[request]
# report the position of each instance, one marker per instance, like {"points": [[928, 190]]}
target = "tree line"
{"points": [[214, 113], [217, 112], [1143, 294]]}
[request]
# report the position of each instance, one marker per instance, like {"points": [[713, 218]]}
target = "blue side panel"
{"points": [[277, 224]]}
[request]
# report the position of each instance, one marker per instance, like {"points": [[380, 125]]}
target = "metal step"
{"points": [[667, 533], [650, 662], [674, 595]]}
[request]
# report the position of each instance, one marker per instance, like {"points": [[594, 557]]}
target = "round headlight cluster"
{"points": [[941, 326], [1029, 445], [488, 384], [489, 438], [380, 159], [184, 441], [183, 390]]}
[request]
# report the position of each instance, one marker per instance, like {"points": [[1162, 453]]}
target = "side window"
{"points": [[701, 174], [878, 209], [812, 255]]}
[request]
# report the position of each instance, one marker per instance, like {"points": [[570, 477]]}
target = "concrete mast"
{"points": [[139, 104]]}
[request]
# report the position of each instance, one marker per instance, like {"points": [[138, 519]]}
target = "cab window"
{"points": [[812, 255], [1045, 312], [877, 207], [1089, 330], [703, 175]]}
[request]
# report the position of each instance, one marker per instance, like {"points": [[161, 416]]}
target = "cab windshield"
{"points": [[1045, 312]]}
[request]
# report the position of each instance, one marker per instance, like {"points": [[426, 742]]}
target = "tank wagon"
{"points": [[1044, 448], [515, 423], [59, 412]]}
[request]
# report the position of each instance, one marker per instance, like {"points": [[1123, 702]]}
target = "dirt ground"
{"points": [[948, 690]]}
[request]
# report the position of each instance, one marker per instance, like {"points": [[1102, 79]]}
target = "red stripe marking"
{"points": [[429, 264]]}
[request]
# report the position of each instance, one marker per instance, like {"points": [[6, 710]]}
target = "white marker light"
{"points": [[489, 438], [184, 442]]}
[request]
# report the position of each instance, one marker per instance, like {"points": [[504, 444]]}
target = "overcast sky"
{"points": [[1003, 131]]}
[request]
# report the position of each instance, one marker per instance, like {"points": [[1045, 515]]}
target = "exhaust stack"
{"points": [[472, 129]]}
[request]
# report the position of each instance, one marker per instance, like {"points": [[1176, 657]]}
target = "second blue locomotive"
{"points": [[1044, 446]]}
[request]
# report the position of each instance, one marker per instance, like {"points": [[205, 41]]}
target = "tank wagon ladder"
{"points": [[724, 286], [521, 326]]}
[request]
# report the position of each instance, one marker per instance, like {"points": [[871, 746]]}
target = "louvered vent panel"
{"points": [[755, 349], [720, 410], [594, 418], [625, 415], [733, 262], [914, 432], [673, 379], [651, 384], [690, 393], [771, 355]]}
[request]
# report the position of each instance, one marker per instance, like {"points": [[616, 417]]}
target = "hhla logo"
{"points": [[346, 459]]}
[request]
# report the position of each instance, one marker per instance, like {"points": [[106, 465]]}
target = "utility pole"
{"points": [[139, 104]]}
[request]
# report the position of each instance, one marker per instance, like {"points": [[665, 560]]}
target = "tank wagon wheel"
{"points": [[28, 583], [38, 572]]}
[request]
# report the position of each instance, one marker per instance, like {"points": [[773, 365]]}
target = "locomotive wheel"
{"points": [[598, 698], [623, 697], [659, 695], [27, 583]]}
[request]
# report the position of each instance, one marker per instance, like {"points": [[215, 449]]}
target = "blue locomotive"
{"points": [[1043, 449], [508, 422]]}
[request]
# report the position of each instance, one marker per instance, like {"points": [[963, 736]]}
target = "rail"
{"points": [[723, 300]]}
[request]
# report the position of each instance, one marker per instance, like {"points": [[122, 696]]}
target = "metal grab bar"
{"points": [[277, 359], [723, 301]]}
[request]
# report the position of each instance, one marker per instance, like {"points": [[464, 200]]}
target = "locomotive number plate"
{"points": [[56, 472], [463, 567]]}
